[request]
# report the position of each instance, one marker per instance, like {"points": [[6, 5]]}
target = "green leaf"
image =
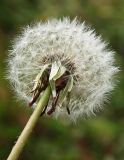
{"points": [[53, 87], [60, 72], [57, 70], [38, 77], [54, 70]]}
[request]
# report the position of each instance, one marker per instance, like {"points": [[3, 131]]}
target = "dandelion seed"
{"points": [[70, 58]]}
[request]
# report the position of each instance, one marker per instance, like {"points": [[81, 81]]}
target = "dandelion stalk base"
{"points": [[17, 149]]}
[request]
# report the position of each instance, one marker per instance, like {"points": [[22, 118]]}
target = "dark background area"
{"points": [[98, 138]]}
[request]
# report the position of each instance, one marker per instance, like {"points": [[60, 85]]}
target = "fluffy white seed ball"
{"points": [[78, 48]]}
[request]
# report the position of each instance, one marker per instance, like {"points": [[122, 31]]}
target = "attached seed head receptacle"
{"points": [[61, 84]]}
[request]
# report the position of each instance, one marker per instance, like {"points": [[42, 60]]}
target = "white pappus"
{"points": [[85, 55]]}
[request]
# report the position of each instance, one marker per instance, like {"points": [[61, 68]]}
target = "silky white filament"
{"points": [[78, 49]]}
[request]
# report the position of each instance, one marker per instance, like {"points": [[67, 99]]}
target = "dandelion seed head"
{"points": [[79, 49]]}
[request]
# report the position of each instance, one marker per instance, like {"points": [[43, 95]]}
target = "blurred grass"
{"points": [[100, 138]]}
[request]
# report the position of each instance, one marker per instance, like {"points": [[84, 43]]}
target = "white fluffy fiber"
{"points": [[70, 42]]}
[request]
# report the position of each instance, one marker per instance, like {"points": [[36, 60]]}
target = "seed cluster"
{"points": [[87, 73]]}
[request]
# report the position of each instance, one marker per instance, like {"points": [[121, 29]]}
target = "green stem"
{"points": [[29, 126]]}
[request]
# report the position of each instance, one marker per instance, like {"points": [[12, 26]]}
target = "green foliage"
{"points": [[99, 138]]}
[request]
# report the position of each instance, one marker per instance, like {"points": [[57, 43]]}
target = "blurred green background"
{"points": [[98, 138]]}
